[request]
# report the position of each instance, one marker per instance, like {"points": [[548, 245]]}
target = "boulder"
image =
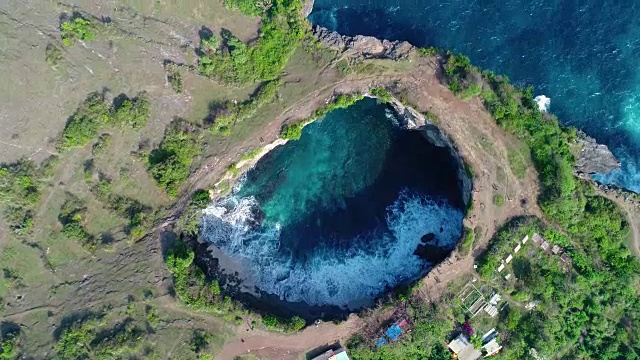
{"points": [[594, 158]]}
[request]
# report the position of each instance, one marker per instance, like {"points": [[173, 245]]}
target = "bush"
{"points": [[53, 56], [74, 29], [174, 77], [170, 163], [292, 131], [95, 113], [20, 188], [281, 31], [383, 95], [191, 285], [276, 323], [498, 200], [103, 142], [132, 113]]}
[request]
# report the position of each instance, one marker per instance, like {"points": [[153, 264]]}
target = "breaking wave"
{"points": [[375, 261]]}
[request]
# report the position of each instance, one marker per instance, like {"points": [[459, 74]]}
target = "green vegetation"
{"points": [[95, 113], [75, 29], [382, 95], [200, 341], [190, 219], [498, 200], [192, 287], [431, 327], [170, 163], [518, 161], [72, 218], [53, 56], [276, 323], [139, 216], [174, 77], [429, 51], [248, 7], [91, 339], [470, 91], [103, 142], [281, 31], [292, 131], [10, 345], [20, 188], [589, 310], [251, 154], [457, 70], [465, 245], [232, 113], [342, 101]]}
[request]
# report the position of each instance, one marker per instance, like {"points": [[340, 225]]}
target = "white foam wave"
{"points": [[543, 102], [331, 276]]}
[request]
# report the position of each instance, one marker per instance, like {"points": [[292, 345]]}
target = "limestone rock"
{"points": [[365, 46], [594, 158], [307, 8]]}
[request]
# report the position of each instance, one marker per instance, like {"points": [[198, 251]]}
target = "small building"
{"points": [[492, 348], [463, 349], [517, 248], [508, 259], [545, 245], [338, 354], [556, 249], [491, 310], [501, 267], [537, 239], [490, 343], [495, 299], [565, 258], [525, 239]]}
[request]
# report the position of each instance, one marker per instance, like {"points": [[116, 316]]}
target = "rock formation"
{"points": [[594, 158], [362, 46]]}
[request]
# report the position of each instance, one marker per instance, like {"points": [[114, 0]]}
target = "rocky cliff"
{"points": [[594, 158], [362, 46]]}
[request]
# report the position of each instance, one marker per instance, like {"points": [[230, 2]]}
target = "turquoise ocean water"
{"points": [[354, 196], [584, 55]]}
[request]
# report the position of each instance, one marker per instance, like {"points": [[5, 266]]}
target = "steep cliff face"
{"points": [[594, 158], [362, 46], [411, 119]]}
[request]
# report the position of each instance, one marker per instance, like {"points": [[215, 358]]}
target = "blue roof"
{"points": [[394, 332], [381, 342]]}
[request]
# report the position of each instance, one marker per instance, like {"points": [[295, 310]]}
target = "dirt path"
{"points": [[269, 345]]}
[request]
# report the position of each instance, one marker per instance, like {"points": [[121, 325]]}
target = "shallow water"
{"points": [[353, 197], [582, 54]]}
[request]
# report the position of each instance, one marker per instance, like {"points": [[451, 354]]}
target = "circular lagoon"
{"points": [[354, 208]]}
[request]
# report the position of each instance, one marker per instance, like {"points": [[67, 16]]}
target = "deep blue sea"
{"points": [[584, 55], [335, 217]]}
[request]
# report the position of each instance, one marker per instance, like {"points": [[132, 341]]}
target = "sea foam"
{"points": [[377, 260]]}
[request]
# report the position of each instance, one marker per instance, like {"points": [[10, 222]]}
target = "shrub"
{"points": [[281, 31], [248, 7], [74, 29], [383, 95], [53, 56], [498, 200], [132, 113], [170, 163], [95, 113], [292, 131], [174, 77], [103, 142], [20, 188], [276, 323]]}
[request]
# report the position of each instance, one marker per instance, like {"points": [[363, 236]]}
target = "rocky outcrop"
{"points": [[362, 46], [594, 158], [410, 119], [307, 8]]}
